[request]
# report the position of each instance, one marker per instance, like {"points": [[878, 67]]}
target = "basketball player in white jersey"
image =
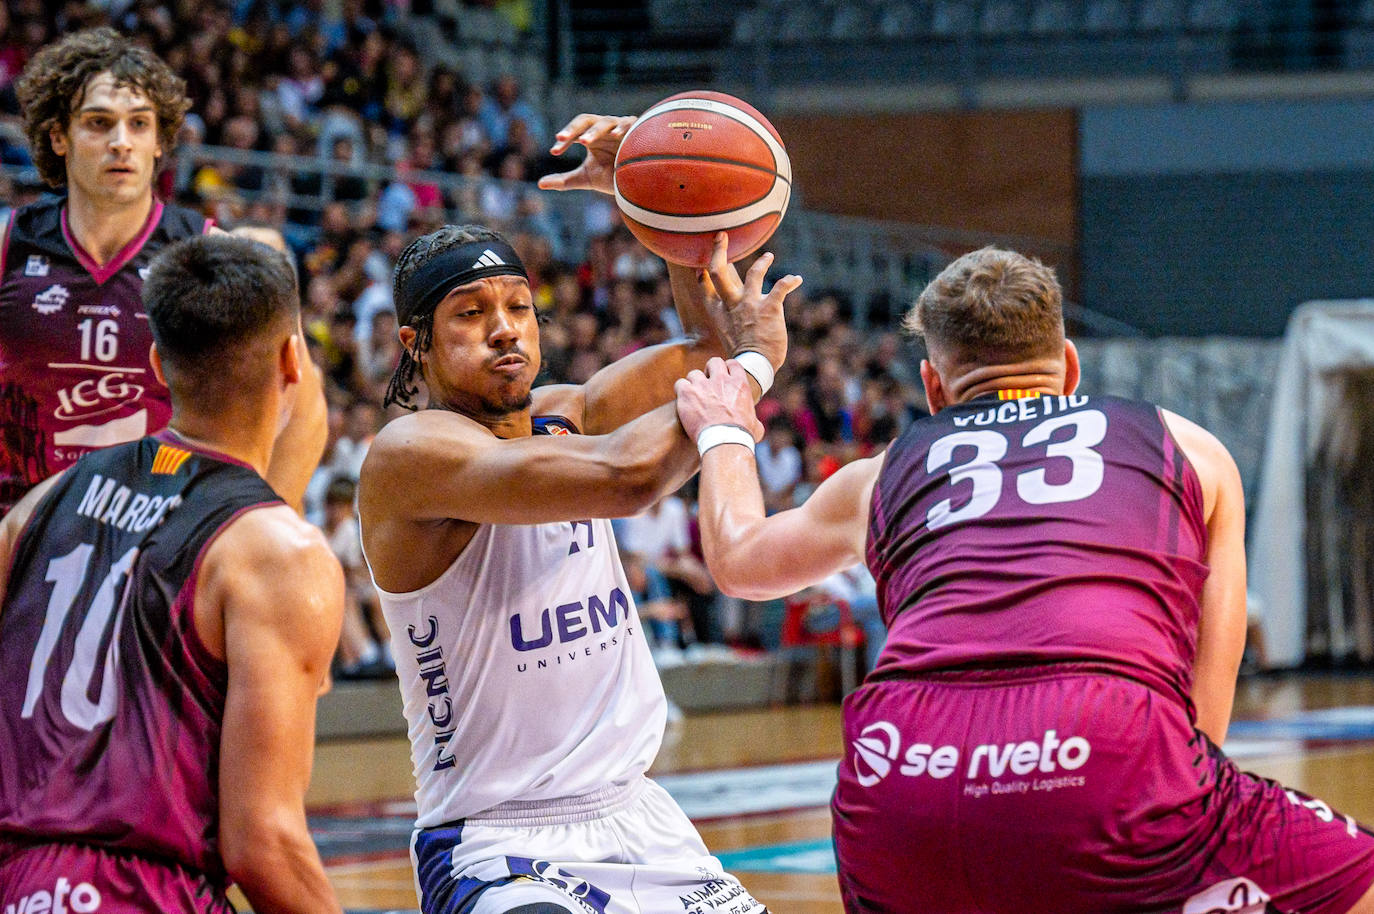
{"points": [[533, 706]]}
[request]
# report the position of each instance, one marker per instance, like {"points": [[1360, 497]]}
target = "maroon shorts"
{"points": [[1067, 790], [80, 879]]}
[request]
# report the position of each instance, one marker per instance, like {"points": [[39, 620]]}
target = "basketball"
{"points": [[698, 163]]}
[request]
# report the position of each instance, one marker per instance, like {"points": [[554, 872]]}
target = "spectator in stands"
{"points": [[360, 655], [405, 90], [779, 463], [362, 420], [506, 104], [661, 539]]}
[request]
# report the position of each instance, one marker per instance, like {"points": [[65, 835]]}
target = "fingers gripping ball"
{"points": [[696, 164]]}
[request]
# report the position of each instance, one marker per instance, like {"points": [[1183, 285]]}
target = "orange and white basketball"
{"points": [[698, 163]]}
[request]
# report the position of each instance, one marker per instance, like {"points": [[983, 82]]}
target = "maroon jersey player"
{"points": [[166, 625], [101, 114], [1063, 580]]}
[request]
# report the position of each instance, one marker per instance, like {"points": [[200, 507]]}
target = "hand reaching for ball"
{"points": [[746, 317], [600, 134]]}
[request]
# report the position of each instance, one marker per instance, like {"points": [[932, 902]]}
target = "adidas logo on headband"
{"points": [[489, 258]]}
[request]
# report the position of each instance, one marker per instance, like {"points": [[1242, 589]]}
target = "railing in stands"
{"points": [[878, 266]]}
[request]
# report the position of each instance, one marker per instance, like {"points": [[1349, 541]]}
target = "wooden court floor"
{"points": [[1339, 770]]}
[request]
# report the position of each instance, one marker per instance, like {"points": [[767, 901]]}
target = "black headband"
{"points": [[451, 268]]}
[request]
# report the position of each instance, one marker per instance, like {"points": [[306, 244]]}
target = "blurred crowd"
{"points": [[332, 79]]}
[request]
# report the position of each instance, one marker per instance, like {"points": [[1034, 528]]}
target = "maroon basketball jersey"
{"points": [[74, 338], [110, 704], [1036, 530]]}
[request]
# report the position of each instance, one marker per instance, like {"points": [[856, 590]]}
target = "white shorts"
{"points": [[624, 850]]}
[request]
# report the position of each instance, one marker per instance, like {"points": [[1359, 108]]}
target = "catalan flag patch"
{"points": [[1013, 393], [169, 460]]}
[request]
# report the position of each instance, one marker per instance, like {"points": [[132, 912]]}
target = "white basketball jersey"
{"points": [[524, 671]]}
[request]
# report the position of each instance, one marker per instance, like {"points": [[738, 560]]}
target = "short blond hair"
{"points": [[991, 306]]}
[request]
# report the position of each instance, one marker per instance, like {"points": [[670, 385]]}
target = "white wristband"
{"points": [[758, 366], [713, 435]]}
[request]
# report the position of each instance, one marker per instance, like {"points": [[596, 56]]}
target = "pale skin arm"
{"points": [[12, 526], [750, 555], [273, 597], [300, 444], [1221, 622]]}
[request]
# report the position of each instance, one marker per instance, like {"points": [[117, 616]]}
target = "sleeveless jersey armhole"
{"points": [[187, 597], [1189, 477]]}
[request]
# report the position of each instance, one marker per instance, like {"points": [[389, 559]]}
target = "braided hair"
{"points": [[402, 388]]}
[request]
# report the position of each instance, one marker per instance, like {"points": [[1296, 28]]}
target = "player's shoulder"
{"points": [[37, 222], [271, 538], [1211, 458], [183, 222]]}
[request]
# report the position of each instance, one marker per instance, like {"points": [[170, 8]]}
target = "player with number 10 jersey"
{"points": [[93, 724]]}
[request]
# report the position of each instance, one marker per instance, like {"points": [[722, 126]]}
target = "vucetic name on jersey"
{"points": [[108, 502], [1022, 410]]}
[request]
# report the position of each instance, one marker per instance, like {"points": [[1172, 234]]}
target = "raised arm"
{"points": [[751, 555], [277, 592], [299, 446], [747, 318], [442, 466], [1221, 623]]}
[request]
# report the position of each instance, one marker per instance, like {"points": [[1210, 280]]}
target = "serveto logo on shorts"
{"points": [[83, 899], [1234, 896], [878, 746], [51, 299]]}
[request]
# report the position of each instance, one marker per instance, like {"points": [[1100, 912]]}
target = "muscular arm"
{"points": [[465, 473], [762, 558], [277, 592], [1221, 624], [748, 554], [738, 316]]}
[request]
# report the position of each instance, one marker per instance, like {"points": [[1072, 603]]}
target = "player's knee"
{"points": [[539, 907]]}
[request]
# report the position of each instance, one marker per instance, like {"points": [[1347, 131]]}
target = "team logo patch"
{"points": [[36, 265], [51, 299], [169, 460], [875, 750], [1234, 896]]}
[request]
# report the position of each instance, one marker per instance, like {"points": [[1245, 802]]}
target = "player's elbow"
{"points": [[255, 851]]}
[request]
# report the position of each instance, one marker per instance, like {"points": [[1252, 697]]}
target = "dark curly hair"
{"points": [[53, 85]]}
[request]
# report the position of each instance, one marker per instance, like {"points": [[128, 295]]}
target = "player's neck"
{"points": [[518, 424], [104, 229], [225, 434]]}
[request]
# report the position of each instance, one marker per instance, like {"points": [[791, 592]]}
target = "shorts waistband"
{"points": [[1009, 673], [561, 810]]}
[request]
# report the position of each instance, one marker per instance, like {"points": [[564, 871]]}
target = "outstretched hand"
{"points": [[721, 394], [601, 135], [749, 318]]}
